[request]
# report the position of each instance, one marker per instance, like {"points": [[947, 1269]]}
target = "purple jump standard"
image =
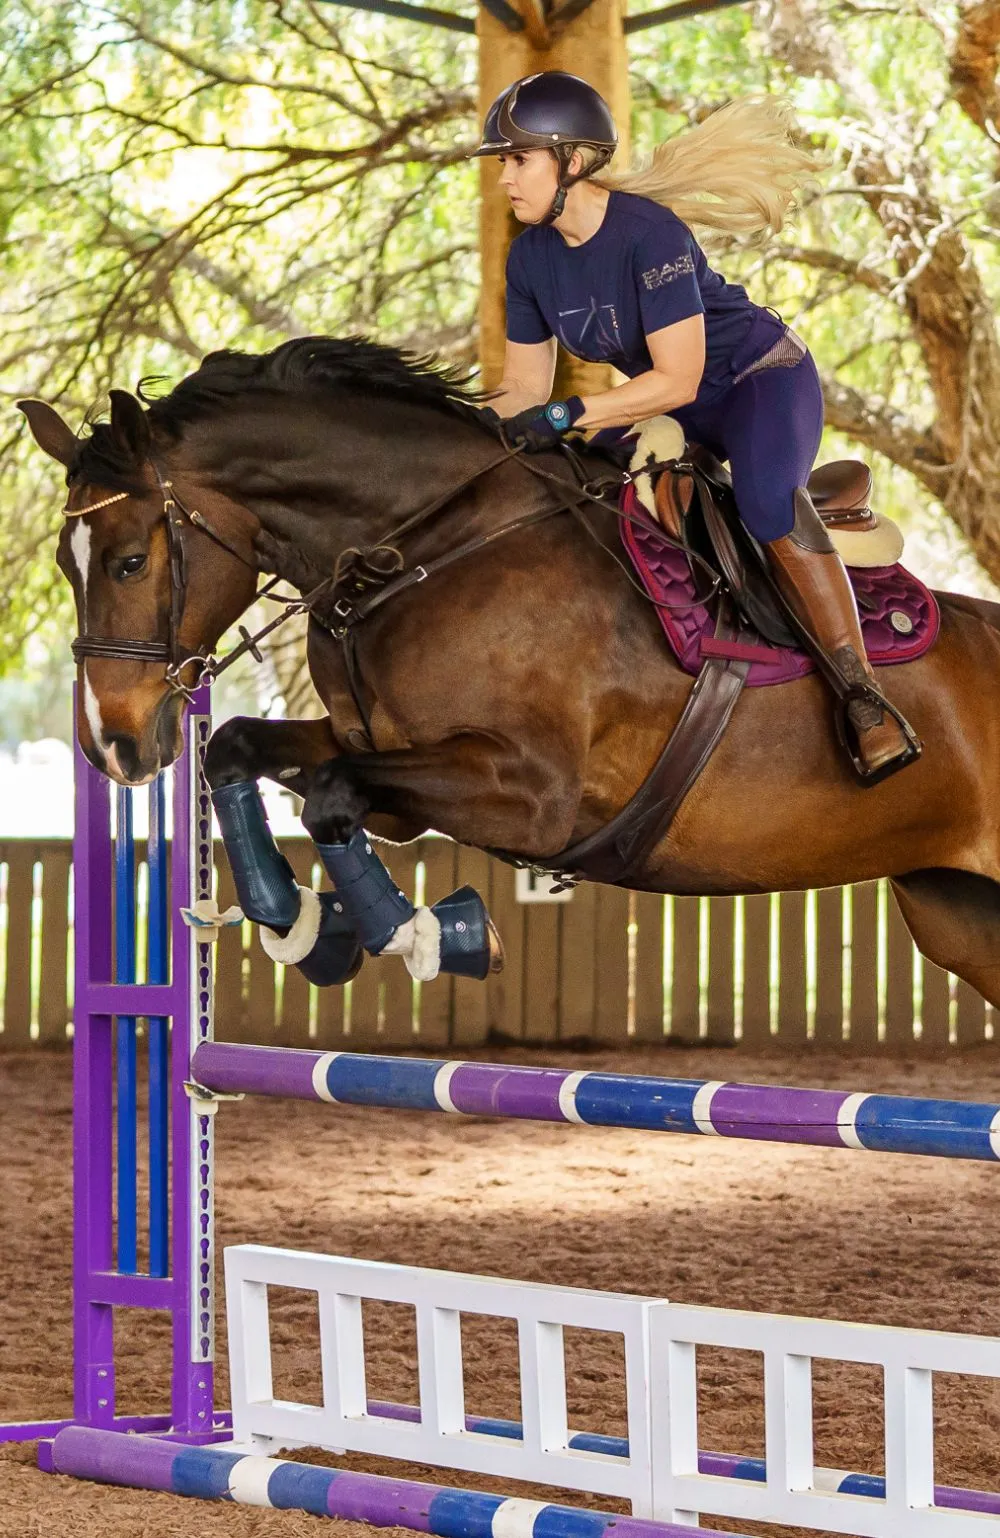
{"points": [[830, 1118], [216, 1473]]}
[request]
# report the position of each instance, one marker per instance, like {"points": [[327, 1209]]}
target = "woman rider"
{"points": [[609, 267]]}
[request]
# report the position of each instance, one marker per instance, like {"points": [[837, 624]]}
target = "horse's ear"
{"points": [[49, 431], [129, 426]]}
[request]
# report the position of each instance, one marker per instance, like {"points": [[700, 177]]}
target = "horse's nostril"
{"points": [[126, 754]]}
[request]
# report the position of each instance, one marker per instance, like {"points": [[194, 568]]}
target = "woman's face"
{"points": [[529, 179]]}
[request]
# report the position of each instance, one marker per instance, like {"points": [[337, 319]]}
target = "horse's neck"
{"points": [[375, 486]]}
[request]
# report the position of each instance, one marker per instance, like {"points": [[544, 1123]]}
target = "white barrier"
{"points": [[660, 1476], [791, 1493], [440, 1437]]}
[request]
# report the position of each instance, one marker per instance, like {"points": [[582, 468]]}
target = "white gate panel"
{"points": [[908, 1358], [440, 1437]]}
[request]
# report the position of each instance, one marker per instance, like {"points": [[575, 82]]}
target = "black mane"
{"points": [[307, 367]]}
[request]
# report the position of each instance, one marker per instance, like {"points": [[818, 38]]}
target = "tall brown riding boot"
{"points": [[814, 583]]}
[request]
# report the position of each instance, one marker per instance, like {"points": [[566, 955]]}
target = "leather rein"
{"points": [[373, 576]]}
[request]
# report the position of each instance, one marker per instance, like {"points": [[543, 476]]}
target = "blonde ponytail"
{"points": [[736, 173]]}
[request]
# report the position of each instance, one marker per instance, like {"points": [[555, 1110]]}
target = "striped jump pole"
{"points": [[220, 1474], [725, 1465], [829, 1118]]}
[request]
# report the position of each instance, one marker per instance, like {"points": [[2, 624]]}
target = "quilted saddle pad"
{"points": [[899, 615]]}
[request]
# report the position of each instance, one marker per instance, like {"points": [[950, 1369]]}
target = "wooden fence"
{"points": [[835, 968]]}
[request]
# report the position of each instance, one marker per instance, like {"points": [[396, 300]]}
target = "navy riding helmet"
{"points": [[556, 111]]}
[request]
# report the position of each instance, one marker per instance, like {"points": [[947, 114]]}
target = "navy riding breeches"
{"points": [[768, 427]]}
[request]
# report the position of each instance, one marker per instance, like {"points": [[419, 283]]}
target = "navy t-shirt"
{"points": [[642, 270]]}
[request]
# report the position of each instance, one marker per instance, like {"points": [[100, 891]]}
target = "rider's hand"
{"points": [[541, 427], [492, 418]]}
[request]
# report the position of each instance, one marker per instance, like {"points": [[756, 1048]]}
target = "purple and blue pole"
{"points": [[723, 1465], [827, 1118], [215, 1473]]}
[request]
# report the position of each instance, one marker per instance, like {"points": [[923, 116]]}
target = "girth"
{"points": [[619, 850]]}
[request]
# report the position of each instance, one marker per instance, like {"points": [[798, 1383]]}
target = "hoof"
{"points": [[470, 943], [332, 963], [497, 956]]}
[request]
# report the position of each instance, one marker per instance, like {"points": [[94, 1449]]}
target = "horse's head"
{"points": [[153, 592]]}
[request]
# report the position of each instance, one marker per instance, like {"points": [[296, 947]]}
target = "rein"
{"points": [[357, 567]]}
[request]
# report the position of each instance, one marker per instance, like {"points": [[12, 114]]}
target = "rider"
{"points": [[617, 276]]}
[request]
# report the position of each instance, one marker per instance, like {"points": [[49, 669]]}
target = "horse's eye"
{"points": [[131, 564]]}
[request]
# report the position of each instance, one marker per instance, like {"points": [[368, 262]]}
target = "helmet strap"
{"points": [[564, 154], [555, 207], [564, 181]]}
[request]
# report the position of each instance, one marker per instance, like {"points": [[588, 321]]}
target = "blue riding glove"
{"points": [[541, 427]]}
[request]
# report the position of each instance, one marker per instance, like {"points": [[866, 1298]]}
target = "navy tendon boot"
{"points": [[455, 935], [370, 897], [297, 926]]}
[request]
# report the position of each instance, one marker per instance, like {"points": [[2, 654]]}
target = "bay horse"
{"points": [[518, 698]]}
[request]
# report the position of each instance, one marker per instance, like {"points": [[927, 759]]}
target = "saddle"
{"points": [[698, 554]]}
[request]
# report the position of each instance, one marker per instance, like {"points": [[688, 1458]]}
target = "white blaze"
{"points": [[79, 544]]}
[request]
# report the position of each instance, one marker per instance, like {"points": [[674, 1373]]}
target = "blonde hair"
{"points": [[736, 173]]}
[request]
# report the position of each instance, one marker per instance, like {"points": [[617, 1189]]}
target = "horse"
{"points": [[515, 698]]}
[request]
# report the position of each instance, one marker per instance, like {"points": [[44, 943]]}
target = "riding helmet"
{"points": [[556, 111]]}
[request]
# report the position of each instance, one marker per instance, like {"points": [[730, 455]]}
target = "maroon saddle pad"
{"points": [[899, 615]]}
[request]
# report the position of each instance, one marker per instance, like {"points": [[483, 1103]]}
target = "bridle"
{"points": [[177, 515], [345, 613]]}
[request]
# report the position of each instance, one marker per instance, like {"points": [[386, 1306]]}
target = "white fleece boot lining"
{"points": [[300, 939], [418, 941], [663, 438]]}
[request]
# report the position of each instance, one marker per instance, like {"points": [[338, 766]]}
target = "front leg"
{"points": [[297, 926], [289, 752], [429, 786], [479, 790]]}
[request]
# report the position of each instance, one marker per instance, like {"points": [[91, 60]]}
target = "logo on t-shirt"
{"points": [[657, 276], [590, 330]]}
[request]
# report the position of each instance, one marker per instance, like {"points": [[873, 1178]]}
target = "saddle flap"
{"points": [[733, 550]]}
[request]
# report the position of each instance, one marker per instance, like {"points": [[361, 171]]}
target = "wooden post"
{"points": [[593, 47]]}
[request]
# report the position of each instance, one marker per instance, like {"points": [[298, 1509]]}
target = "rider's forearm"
{"points": [[644, 396]]}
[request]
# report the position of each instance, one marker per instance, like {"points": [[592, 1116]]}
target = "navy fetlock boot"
{"points": [[322, 942], [297, 926], [470, 944]]}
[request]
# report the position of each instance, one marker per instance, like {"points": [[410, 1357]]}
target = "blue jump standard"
{"points": [[219, 1474], [831, 1118]]}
